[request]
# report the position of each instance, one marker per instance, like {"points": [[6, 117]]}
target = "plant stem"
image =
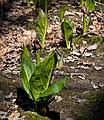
{"points": [[84, 23], [37, 58]]}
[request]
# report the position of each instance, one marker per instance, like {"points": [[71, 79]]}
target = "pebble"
{"points": [[98, 68], [93, 85], [92, 47], [58, 98], [70, 59], [86, 54], [76, 53], [69, 119], [79, 75], [3, 115]]}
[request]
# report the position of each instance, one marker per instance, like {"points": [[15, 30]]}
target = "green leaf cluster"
{"points": [[36, 78]]}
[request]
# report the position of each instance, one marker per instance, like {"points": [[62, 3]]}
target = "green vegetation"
{"points": [[87, 7], [66, 26], [36, 77], [41, 26]]}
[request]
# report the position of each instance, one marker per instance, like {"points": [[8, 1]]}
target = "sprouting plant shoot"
{"points": [[36, 77], [66, 26], [87, 7], [67, 31], [41, 27]]}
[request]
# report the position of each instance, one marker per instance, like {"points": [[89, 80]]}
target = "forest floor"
{"points": [[83, 99]]}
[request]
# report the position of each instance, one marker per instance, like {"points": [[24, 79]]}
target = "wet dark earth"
{"points": [[82, 99]]}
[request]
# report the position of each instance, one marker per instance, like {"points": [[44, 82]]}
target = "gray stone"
{"points": [[3, 115]]}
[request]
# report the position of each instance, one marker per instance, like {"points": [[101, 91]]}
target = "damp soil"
{"points": [[83, 98]]}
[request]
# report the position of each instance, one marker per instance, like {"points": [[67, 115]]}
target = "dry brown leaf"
{"points": [[4, 51], [14, 115]]}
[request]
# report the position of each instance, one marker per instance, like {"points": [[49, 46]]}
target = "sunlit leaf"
{"points": [[67, 31], [55, 88], [41, 77], [41, 27], [27, 68]]}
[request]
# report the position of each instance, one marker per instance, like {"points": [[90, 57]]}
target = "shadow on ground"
{"points": [[27, 104], [93, 108]]}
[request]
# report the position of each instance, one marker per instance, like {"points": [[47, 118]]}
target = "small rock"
{"points": [[10, 95], [70, 59], [92, 47], [3, 115], [76, 53], [67, 13], [84, 42], [79, 75], [101, 85], [86, 54], [82, 49], [98, 68], [58, 98], [86, 63], [83, 67], [93, 85], [69, 119]]}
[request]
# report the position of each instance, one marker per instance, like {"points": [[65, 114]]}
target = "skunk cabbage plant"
{"points": [[36, 77]]}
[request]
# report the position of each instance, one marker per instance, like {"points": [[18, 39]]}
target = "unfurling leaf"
{"points": [[41, 27], [41, 77], [27, 68], [67, 31]]}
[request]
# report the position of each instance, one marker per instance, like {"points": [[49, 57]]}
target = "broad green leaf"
{"points": [[41, 27], [62, 12], [41, 77], [67, 31], [90, 4], [55, 88], [27, 68]]}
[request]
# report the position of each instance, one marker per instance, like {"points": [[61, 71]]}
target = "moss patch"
{"points": [[33, 116]]}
